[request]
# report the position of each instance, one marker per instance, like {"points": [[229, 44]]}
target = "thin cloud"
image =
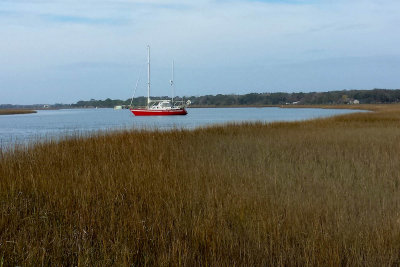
{"points": [[93, 66], [83, 20]]}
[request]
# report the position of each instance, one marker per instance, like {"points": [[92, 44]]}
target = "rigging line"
{"points": [[134, 91]]}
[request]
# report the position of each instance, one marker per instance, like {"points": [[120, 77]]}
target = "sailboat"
{"points": [[162, 107]]}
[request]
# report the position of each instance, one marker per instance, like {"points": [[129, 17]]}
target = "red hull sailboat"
{"points": [[164, 112], [163, 107]]}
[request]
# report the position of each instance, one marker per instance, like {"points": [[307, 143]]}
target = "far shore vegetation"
{"points": [[322, 192], [15, 111], [343, 97], [376, 96]]}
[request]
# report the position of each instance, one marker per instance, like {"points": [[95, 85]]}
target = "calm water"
{"points": [[46, 124]]}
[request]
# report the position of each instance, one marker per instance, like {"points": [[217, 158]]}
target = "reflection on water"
{"points": [[47, 124]]}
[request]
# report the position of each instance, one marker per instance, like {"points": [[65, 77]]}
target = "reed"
{"points": [[323, 192], [15, 111]]}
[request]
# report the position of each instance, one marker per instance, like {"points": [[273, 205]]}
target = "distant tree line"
{"points": [[109, 103], [374, 96], [333, 97]]}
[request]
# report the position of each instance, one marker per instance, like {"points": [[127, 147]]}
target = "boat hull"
{"points": [[163, 112]]}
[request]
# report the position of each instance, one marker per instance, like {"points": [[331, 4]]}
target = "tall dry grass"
{"points": [[15, 111], [318, 193]]}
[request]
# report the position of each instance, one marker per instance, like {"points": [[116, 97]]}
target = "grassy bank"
{"points": [[358, 107], [323, 192], [15, 111]]}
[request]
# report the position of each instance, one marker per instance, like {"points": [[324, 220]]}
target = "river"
{"points": [[46, 124]]}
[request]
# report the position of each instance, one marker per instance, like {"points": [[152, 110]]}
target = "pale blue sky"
{"points": [[68, 50]]}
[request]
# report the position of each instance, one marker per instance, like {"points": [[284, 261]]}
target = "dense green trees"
{"points": [[259, 99], [281, 98]]}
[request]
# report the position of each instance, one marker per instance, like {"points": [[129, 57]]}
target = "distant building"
{"points": [[121, 107], [356, 102]]}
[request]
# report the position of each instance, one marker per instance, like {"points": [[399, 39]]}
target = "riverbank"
{"points": [[368, 107], [16, 111], [322, 193]]}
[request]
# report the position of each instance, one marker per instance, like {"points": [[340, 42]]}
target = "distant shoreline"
{"points": [[370, 107], [16, 111]]}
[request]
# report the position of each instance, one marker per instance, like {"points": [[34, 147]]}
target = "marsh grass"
{"points": [[15, 111], [324, 192]]}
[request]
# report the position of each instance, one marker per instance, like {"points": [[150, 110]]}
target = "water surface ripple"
{"points": [[45, 124]]}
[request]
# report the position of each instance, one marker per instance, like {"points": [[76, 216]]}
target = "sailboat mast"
{"points": [[172, 83], [148, 76]]}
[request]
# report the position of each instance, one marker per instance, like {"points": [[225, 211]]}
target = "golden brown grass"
{"points": [[15, 111], [324, 192]]}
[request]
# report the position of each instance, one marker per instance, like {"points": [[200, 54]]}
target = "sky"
{"points": [[63, 51]]}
